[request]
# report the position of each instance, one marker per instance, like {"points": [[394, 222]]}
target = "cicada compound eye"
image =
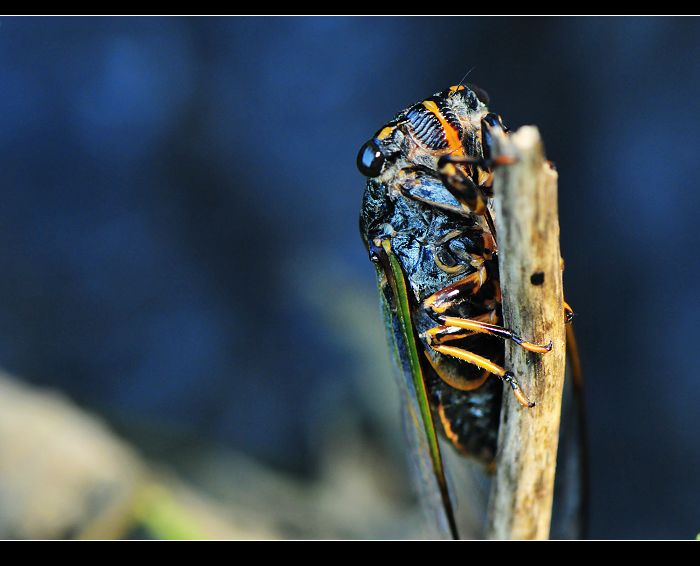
{"points": [[481, 94], [370, 159]]}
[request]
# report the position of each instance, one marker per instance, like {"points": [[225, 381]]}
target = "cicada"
{"points": [[426, 221]]}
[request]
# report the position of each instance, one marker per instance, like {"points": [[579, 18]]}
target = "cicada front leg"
{"points": [[470, 179], [411, 180], [457, 176]]}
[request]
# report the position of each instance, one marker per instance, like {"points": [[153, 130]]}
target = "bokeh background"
{"points": [[180, 252]]}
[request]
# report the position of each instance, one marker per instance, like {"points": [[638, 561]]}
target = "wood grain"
{"points": [[527, 227]]}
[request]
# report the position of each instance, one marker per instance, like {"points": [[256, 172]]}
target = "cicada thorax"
{"points": [[434, 125], [440, 126]]}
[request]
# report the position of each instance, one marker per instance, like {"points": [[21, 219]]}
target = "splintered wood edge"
{"points": [[527, 226]]}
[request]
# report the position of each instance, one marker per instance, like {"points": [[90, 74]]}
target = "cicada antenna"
{"points": [[461, 82]]}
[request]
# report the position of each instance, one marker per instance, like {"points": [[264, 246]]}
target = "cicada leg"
{"points": [[456, 293], [455, 174], [475, 326], [568, 313], [411, 177], [470, 179], [453, 328], [490, 123], [483, 363]]}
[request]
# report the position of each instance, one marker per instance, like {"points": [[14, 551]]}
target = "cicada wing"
{"points": [[470, 486], [419, 421], [569, 512], [420, 456]]}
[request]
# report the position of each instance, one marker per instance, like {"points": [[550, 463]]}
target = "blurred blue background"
{"points": [[179, 242]]}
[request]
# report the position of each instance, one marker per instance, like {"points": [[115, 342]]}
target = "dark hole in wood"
{"points": [[537, 278]]}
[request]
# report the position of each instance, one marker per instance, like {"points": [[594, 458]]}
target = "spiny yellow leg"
{"points": [[494, 330], [485, 363]]}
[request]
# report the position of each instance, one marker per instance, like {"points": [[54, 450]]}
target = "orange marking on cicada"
{"points": [[447, 428], [385, 132], [451, 135]]}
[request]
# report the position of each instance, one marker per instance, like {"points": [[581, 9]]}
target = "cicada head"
{"points": [[448, 122]]}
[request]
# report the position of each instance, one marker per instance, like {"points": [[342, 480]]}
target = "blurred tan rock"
{"points": [[64, 474], [61, 471]]}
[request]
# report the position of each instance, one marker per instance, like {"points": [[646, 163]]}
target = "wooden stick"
{"points": [[527, 227]]}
